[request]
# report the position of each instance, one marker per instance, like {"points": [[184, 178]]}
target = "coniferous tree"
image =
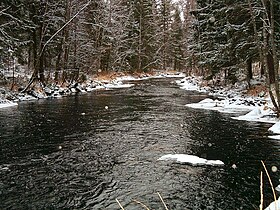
{"points": [[165, 20], [225, 39], [177, 38], [15, 26]]}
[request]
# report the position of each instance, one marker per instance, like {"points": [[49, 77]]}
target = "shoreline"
{"points": [[12, 98]]}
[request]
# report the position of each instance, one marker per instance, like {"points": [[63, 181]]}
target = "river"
{"points": [[86, 151]]}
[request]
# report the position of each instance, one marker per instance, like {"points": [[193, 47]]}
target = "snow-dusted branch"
{"points": [[67, 23]]}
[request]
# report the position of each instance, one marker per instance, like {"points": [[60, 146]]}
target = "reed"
{"points": [[271, 185], [261, 190], [142, 204], [162, 201], [119, 204]]}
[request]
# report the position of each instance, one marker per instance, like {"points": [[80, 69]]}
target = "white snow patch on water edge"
{"points": [[117, 85], [256, 113], [275, 128], [191, 159], [276, 137], [274, 205], [259, 114], [166, 75], [191, 84], [225, 105], [6, 103]]}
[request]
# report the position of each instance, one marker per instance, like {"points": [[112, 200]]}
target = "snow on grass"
{"points": [[190, 159]]}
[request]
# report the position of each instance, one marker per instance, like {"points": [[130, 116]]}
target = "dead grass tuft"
{"points": [[257, 90]]}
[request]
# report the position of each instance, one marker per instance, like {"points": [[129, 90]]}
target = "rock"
{"points": [[2, 91], [48, 91], [80, 89]]}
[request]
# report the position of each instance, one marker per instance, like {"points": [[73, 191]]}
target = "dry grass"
{"points": [[271, 185], [256, 90], [261, 189], [119, 204], [142, 204]]}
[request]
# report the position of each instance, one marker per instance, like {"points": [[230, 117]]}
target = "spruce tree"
{"points": [[224, 36], [177, 40]]}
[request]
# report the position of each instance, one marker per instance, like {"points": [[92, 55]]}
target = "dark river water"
{"points": [[73, 153]]}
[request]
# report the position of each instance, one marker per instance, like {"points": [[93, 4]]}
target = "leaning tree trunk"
{"points": [[274, 56]]}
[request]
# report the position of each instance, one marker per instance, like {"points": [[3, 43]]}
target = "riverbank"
{"points": [[252, 104], [10, 98]]}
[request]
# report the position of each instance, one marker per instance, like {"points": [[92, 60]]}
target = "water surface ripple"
{"points": [[73, 153]]}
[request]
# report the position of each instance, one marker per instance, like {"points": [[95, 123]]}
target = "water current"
{"points": [[87, 150]]}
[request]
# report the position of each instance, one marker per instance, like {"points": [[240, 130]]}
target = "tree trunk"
{"points": [[249, 71], [66, 39], [270, 66], [274, 56], [266, 67]]}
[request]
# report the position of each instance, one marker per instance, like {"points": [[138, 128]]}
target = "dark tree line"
{"points": [[106, 35], [232, 35], [70, 37]]}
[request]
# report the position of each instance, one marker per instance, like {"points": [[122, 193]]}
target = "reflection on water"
{"points": [[73, 153]]}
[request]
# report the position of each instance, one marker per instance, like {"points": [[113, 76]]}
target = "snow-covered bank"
{"points": [[233, 100], [225, 105], [191, 83], [9, 98], [259, 114], [190, 159], [4, 103]]}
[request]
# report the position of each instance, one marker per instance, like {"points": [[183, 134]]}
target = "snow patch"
{"points": [[145, 77], [224, 105], [233, 100], [276, 137], [191, 159], [191, 84], [258, 114], [275, 128], [6, 103], [117, 84], [274, 205]]}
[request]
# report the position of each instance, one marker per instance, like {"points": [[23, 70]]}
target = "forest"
{"points": [[90, 151], [73, 38]]}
